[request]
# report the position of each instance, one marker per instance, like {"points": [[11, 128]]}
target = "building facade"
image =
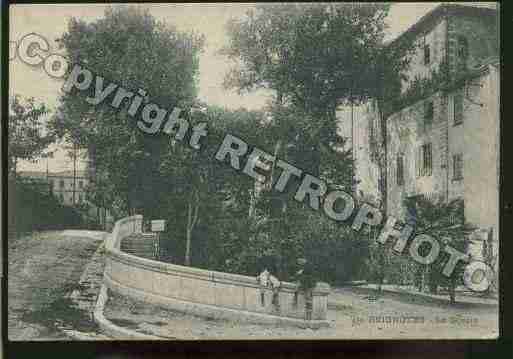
{"points": [[69, 188], [441, 141]]}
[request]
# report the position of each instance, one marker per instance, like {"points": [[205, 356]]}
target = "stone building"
{"points": [[441, 140], [448, 145], [70, 189]]}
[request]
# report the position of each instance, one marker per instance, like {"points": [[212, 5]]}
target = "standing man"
{"points": [[306, 281], [275, 286], [263, 280]]}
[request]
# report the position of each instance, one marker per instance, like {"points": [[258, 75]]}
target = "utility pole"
{"points": [[47, 179], [353, 184], [353, 149]]}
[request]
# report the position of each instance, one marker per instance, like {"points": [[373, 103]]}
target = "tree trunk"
{"points": [[74, 172], [382, 263], [12, 213], [380, 282], [420, 277], [187, 260], [188, 235], [128, 204], [15, 168], [192, 218], [452, 290]]}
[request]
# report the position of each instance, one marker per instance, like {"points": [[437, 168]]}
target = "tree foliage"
{"points": [[315, 55], [201, 190], [32, 207], [130, 48], [28, 138], [445, 222]]}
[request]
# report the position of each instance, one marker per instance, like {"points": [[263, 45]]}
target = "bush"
{"points": [[336, 252], [446, 223], [33, 208]]}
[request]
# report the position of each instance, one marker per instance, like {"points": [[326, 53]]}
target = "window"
{"points": [[61, 196], [457, 163], [61, 183], [462, 51], [400, 170], [428, 113], [372, 135], [462, 47], [458, 108], [411, 210], [425, 160], [81, 184], [371, 130], [427, 54]]}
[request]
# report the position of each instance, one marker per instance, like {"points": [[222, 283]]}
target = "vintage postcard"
{"points": [[253, 171]]}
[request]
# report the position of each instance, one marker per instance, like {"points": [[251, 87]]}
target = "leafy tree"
{"points": [[33, 207], [130, 48], [185, 185], [314, 56], [445, 222], [203, 190], [28, 138]]}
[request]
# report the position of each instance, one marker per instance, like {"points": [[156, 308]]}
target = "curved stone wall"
{"points": [[204, 292]]}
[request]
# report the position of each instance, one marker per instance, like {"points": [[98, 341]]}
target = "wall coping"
{"points": [[113, 251], [194, 305], [213, 311]]}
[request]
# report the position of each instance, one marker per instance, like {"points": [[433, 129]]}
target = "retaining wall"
{"points": [[204, 292], [144, 247]]}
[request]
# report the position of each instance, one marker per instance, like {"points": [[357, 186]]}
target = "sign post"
{"points": [[157, 226]]}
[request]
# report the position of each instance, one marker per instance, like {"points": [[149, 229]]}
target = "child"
{"points": [[263, 280]]}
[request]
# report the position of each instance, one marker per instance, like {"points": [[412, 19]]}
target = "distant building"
{"points": [[68, 187], [36, 179], [71, 190]]}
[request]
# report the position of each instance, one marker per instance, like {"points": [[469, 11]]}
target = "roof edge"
{"points": [[440, 10]]}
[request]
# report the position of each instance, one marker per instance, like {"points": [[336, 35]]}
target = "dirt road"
{"points": [[354, 313], [44, 268]]}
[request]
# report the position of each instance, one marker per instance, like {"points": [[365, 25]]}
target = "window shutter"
{"points": [[416, 162], [423, 160], [418, 159], [435, 46], [428, 159], [458, 108], [454, 169], [397, 182]]}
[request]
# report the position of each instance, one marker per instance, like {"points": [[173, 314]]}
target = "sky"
{"points": [[51, 21]]}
